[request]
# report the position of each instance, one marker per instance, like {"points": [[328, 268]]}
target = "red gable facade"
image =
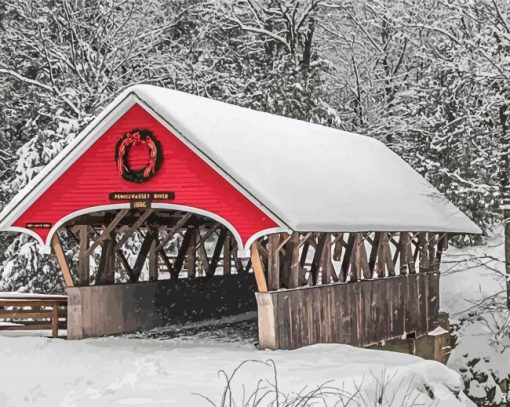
{"points": [[86, 186]]}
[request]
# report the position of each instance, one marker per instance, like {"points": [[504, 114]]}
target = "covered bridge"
{"points": [[337, 236]]}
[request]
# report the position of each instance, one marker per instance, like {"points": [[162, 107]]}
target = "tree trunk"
{"points": [[504, 185]]}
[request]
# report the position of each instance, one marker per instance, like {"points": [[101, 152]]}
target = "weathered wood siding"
{"points": [[359, 313], [109, 309]]}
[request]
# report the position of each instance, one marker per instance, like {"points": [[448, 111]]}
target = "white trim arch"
{"points": [[46, 246], [243, 249], [266, 232]]}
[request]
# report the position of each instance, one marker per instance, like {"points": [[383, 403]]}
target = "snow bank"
{"points": [[119, 371], [473, 290], [472, 274]]}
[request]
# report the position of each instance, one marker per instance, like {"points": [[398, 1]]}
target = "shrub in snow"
{"points": [[482, 356], [24, 270], [383, 390]]}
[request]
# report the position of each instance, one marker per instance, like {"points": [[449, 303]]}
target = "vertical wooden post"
{"points": [[367, 274], [54, 320], [423, 256], [153, 255], [382, 241], [317, 256], [108, 271], [258, 268], [432, 251], [226, 254], [410, 258], [356, 258], [273, 262], [404, 260], [61, 259], [293, 246], [442, 246], [191, 255], [304, 253], [217, 251], [373, 264], [83, 258], [326, 260], [346, 262], [237, 261], [337, 251]]}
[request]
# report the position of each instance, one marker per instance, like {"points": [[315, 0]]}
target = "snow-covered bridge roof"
{"points": [[314, 178], [304, 176]]}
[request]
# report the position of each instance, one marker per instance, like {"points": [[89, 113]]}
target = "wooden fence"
{"points": [[32, 312]]}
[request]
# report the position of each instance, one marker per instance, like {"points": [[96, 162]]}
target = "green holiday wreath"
{"points": [[146, 138]]}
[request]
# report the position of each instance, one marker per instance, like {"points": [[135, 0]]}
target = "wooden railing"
{"points": [[33, 312], [310, 259]]}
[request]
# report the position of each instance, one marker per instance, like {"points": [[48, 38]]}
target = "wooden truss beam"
{"points": [[227, 254], [83, 260], [179, 261], [106, 234], [217, 252], [180, 223], [258, 268], [127, 234], [56, 245]]}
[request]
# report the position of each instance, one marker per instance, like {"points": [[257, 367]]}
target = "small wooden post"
{"points": [[273, 262], [303, 257], [83, 260], [367, 274], [442, 246], [153, 255], [61, 259], [293, 246], [410, 258], [390, 264], [337, 251], [226, 254], [191, 255], [258, 268], [109, 269], [215, 259], [374, 253], [54, 320], [404, 259], [326, 260], [356, 258], [423, 256], [432, 251], [382, 240]]}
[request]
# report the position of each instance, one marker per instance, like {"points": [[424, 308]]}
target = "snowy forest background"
{"points": [[428, 78]]}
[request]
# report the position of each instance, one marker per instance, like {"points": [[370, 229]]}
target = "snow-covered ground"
{"points": [[183, 365], [473, 291], [177, 368]]}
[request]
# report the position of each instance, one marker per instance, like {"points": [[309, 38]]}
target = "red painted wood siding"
{"points": [[93, 176]]}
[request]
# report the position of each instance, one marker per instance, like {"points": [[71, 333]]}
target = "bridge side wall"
{"points": [[358, 313], [95, 311]]}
